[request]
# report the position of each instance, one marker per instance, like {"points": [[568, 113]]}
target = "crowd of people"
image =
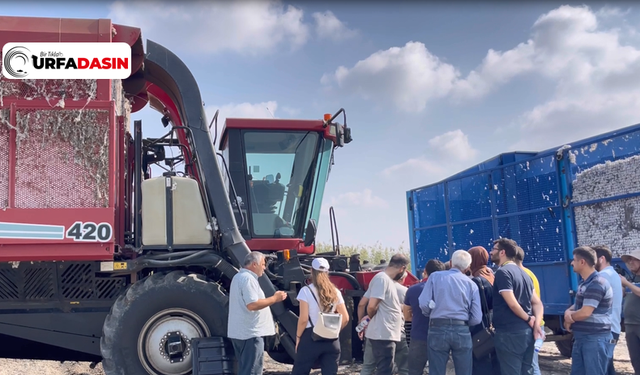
{"points": [[490, 321], [487, 320]]}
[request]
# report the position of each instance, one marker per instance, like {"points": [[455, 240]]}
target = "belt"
{"points": [[447, 322]]}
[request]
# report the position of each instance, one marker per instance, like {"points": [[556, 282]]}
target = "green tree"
{"points": [[372, 253]]}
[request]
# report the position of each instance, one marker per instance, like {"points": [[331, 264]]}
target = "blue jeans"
{"points": [[250, 355], [611, 369], [453, 339], [591, 352], [534, 362], [536, 367], [515, 351]]}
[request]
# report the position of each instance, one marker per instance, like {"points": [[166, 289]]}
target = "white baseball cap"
{"points": [[633, 254], [320, 264]]}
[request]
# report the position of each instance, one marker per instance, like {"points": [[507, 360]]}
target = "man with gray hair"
{"points": [[249, 317], [451, 300]]}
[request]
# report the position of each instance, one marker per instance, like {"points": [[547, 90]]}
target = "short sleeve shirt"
{"points": [[419, 322], [596, 292], [510, 277], [305, 295], [387, 323], [243, 323], [616, 286], [536, 285]]}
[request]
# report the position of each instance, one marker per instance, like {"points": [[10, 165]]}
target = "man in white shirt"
{"points": [[249, 316], [401, 359], [603, 266], [384, 331]]}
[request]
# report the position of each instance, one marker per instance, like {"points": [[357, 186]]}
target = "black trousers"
{"points": [[384, 351], [324, 353], [632, 335]]}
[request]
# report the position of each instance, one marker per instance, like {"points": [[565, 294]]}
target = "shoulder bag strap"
{"points": [[483, 302], [309, 311]]}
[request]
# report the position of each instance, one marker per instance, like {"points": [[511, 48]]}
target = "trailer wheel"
{"points": [[565, 347], [149, 327]]}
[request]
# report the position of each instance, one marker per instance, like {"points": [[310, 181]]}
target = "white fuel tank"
{"points": [[189, 217]]}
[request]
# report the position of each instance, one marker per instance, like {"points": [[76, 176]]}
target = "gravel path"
{"points": [[551, 363]]}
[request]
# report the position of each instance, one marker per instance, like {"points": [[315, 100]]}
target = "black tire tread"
{"points": [[122, 304], [565, 347]]}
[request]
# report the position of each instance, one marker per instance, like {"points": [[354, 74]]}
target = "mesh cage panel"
{"points": [[469, 198], [433, 243], [539, 234], [50, 89], [62, 158], [8, 87], [608, 179], [478, 233], [4, 157], [614, 223]]}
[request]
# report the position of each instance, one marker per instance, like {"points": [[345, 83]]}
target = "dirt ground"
{"points": [[551, 363]]}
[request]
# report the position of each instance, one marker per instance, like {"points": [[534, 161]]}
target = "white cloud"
{"points": [[596, 76], [359, 199], [597, 79], [445, 154], [291, 111], [247, 110], [417, 165], [250, 27], [453, 144], [328, 26], [608, 11], [409, 76]]}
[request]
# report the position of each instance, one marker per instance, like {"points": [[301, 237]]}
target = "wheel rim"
{"points": [[164, 341]]}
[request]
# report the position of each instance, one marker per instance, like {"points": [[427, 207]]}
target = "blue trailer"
{"points": [[549, 202]]}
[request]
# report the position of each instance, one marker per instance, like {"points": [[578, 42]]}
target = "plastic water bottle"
{"points": [[363, 324], [538, 345]]}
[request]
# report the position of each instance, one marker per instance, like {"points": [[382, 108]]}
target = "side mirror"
{"points": [[310, 233]]}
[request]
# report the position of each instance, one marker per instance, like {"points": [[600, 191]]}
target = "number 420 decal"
{"points": [[80, 231]]}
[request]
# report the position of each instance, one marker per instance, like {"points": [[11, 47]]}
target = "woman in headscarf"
{"points": [[479, 260], [483, 276]]}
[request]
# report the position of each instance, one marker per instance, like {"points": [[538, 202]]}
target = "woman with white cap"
{"points": [[319, 300]]}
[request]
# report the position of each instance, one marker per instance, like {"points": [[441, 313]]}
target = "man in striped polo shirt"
{"points": [[590, 317]]}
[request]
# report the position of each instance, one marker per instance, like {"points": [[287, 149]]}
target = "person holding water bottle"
{"points": [[590, 317], [536, 288]]}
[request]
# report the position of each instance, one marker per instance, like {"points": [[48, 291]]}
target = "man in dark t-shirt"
{"points": [[517, 311], [418, 349]]}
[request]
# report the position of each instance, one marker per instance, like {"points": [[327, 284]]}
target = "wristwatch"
{"points": [[528, 320]]}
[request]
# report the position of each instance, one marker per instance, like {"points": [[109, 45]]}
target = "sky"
{"points": [[429, 89]]}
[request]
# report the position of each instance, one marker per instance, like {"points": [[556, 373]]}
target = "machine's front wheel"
{"points": [[149, 328]]}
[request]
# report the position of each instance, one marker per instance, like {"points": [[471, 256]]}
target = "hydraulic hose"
{"points": [[203, 256]]}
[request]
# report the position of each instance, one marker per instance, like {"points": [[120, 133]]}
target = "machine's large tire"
{"points": [[565, 347], [160, 303]]}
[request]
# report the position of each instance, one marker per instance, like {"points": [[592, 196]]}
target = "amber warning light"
{"points": [[66, 60]]}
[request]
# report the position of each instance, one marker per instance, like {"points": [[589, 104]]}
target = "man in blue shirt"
{"points": [[452, 302], [589, 318], [418, 350], [604, 268]]}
